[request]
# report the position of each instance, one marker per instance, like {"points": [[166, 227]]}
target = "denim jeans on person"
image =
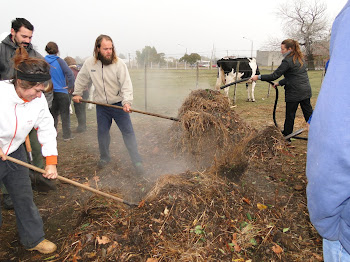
{"points": [[333, 251], [60, 106], [16, 179], [105, 115]]}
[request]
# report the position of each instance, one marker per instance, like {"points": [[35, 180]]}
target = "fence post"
{"points": [[197, 73], [145, 86], [269, 88], [234, 93]]}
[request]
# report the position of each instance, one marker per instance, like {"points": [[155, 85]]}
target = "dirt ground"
{"points": [[250, 211]]}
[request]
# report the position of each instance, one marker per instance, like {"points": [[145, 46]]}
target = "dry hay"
{"points": [[208, 127], [266, 145], [191, 216], [200, 216]]}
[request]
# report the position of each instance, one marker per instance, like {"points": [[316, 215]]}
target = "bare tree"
{"points": [[305, 22]]}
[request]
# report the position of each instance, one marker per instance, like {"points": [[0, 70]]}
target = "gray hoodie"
{"points": [[7, 51]]}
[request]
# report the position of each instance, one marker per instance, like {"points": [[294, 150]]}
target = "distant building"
{"points": [[266, 58]]}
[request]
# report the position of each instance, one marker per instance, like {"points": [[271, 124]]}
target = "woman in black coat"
{"points": [[296, 83]]}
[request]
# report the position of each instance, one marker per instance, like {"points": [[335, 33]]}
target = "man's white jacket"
{"points": [[18, 118], [112, 82]]}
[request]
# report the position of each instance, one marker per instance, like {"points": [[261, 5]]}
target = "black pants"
{"points": [[60, 106], [291, 109]]}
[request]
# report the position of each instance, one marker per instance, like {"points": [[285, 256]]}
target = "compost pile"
{"points": [[237, 209], [208, 127]]}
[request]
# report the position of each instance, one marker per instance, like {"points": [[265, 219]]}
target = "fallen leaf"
{"points": [[298, 187], [91, 255], [318, 257], [277, 249], [142, 203], [103, 240], [261, 206], [152, 260], [246, 200], [166, 211]]}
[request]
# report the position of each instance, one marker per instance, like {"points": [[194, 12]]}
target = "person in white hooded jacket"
{"points": [[24, 107]]}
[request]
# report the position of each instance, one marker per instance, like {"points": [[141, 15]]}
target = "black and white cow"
{"points": [[227, 73]]}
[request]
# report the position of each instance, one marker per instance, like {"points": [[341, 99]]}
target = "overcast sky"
{"points": [[172, 27]]}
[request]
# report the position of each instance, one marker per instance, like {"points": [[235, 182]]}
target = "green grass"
{"points": [[167, 90]]}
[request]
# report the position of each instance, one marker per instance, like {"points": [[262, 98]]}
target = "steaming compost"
{"points": [[237, 202]]}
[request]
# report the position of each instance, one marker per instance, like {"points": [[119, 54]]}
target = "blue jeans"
{"points": [[16, 179], [104, 117], [333, 251]]}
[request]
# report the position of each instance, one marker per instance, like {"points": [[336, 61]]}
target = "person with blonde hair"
{"points": [[24, 107], [296, 83]]}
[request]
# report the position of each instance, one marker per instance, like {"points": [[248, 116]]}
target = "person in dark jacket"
{"points": [[61, 75], [296, 83]]}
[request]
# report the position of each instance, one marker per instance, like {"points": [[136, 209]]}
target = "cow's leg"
{"points": [[220, 79], [218, 83], [252, 90], [226, 91], [248, 92]]}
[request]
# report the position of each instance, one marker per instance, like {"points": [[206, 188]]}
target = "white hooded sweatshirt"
{"points": [[18, 118]]}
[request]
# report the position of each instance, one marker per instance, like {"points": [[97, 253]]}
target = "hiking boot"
{"points": [[8, 204], [139, 168], [102, 163], [68, 138], [44, 247], [80, 129]]}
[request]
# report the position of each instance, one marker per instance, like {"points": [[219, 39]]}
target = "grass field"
{"points": [[167, 89]]}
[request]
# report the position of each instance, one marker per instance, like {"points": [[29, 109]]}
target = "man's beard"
{"points": [[105, 60], [24, 44]]}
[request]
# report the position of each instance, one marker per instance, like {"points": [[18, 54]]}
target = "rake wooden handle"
{"points": [[15, 160], [131, 110]]}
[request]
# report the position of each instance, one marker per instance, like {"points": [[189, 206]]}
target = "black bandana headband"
{"points": [[33, 77]]}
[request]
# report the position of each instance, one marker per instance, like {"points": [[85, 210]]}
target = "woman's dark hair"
{"points": [[51, 48], [296, 52], [98, 45], [19, 22], [29, 66]]}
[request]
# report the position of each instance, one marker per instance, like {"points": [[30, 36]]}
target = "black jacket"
{"points": [[296, 81]]}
